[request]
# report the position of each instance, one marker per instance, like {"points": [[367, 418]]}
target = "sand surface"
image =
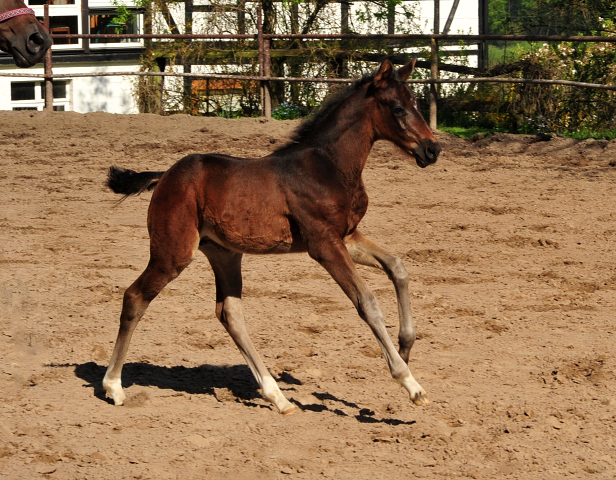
{"points": [[510, 246]]}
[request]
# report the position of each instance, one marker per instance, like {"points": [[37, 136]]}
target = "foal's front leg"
{"points": [[334, 256], [365, 252]]}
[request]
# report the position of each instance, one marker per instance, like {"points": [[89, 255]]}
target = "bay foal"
{"points": [[308, 196], [21, 34]]}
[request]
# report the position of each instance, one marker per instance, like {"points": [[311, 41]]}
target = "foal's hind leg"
{"points": [[227, 268], [333, 255], [365, 252], [168, 257]]}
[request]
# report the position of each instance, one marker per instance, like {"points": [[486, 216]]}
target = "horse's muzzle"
{"points": [[28, 46], [38, 42], [426, 152]]}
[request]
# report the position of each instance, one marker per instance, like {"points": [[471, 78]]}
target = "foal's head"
{"points": [[399, 119]]}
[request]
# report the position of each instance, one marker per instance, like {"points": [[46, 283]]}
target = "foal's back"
{"points": [[247, 205]]}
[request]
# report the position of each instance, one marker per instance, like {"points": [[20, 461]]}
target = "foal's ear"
{"points": [[406, 70], [383, 75]]}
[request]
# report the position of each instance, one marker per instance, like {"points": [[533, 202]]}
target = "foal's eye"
{"points": [[397, 110]]}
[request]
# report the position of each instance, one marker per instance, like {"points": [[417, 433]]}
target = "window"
{"points": [[23, 91], [105, 22], [59, 90], [63, 24], [31, 95]]}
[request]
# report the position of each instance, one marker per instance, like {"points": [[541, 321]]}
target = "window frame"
{"points": [[38, 102]]}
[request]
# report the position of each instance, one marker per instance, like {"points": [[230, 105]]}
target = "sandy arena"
{"points": [[510, 245]]}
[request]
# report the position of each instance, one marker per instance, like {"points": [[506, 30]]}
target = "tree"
{"points": [[290, 57], [550, 17]]}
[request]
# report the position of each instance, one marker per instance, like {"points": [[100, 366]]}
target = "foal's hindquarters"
{"points": [[175, 236]]}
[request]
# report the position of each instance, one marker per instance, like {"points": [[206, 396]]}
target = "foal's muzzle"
{"points": [[426, 152]]}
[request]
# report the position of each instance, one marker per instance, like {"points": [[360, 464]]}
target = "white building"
{"points": [[85, 94], [115, 94]]}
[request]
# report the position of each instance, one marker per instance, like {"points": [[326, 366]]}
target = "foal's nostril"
{"points": [[431, 152], [427, 152]]}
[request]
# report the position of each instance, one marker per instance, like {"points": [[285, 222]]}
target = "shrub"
{"points": [[533, 108], [288, 111]]}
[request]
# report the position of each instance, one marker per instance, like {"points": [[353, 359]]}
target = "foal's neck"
{"points": [[349, 135]]}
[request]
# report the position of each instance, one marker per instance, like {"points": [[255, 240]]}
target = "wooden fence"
{"points": [[264, 78]]}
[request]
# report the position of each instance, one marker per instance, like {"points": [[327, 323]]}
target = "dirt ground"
{"points": [[509, 242]]}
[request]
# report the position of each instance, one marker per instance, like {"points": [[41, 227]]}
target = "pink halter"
{"points": [[15, 13]]}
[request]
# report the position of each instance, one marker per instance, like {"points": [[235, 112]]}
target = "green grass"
{"points": [[463, 132], [508, 51], [584, 134], [468, 132]]}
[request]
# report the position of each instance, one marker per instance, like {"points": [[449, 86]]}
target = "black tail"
{"points": [[128, 182]]}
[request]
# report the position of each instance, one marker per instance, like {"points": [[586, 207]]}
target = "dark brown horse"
{"points": [[21, 34], [308, 196]]}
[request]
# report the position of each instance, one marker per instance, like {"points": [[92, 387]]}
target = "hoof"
{"points": [[289, 409], [421, 401], [118, 401], [116, 393]]}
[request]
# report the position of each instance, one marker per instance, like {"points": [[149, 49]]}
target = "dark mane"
{"points": [[330, 104]]}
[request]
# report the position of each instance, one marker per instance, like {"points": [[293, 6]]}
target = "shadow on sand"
{"points": [[194, 380], [205, 379]]}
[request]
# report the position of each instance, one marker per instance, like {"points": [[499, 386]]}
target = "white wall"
{"points": [[86, 94]]}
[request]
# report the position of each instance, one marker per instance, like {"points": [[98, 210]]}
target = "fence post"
{"points": [[85, 25], [264, 67], [266, 73], [484, 28], [189, 100], [433, 76], [48, 67]]}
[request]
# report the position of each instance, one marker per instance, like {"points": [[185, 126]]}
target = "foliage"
{"points": [[126, 16], [531, 108], [550, 17], [288, 111], [596, 134], [290, 57], [504, 107], [545, 17], [574, 109], [470, 132]]}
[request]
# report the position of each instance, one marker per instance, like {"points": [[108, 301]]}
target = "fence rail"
{"points": [[264, 78], [257, 78], [341, 36]]}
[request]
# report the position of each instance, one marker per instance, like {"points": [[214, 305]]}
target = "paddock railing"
{"points": [[264, 60]]}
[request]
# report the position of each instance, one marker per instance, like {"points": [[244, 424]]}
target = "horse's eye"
{"points": [[397, 110]]}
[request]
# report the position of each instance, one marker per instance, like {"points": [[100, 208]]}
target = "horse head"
{"points": [[399, 118], [21, 34]]}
